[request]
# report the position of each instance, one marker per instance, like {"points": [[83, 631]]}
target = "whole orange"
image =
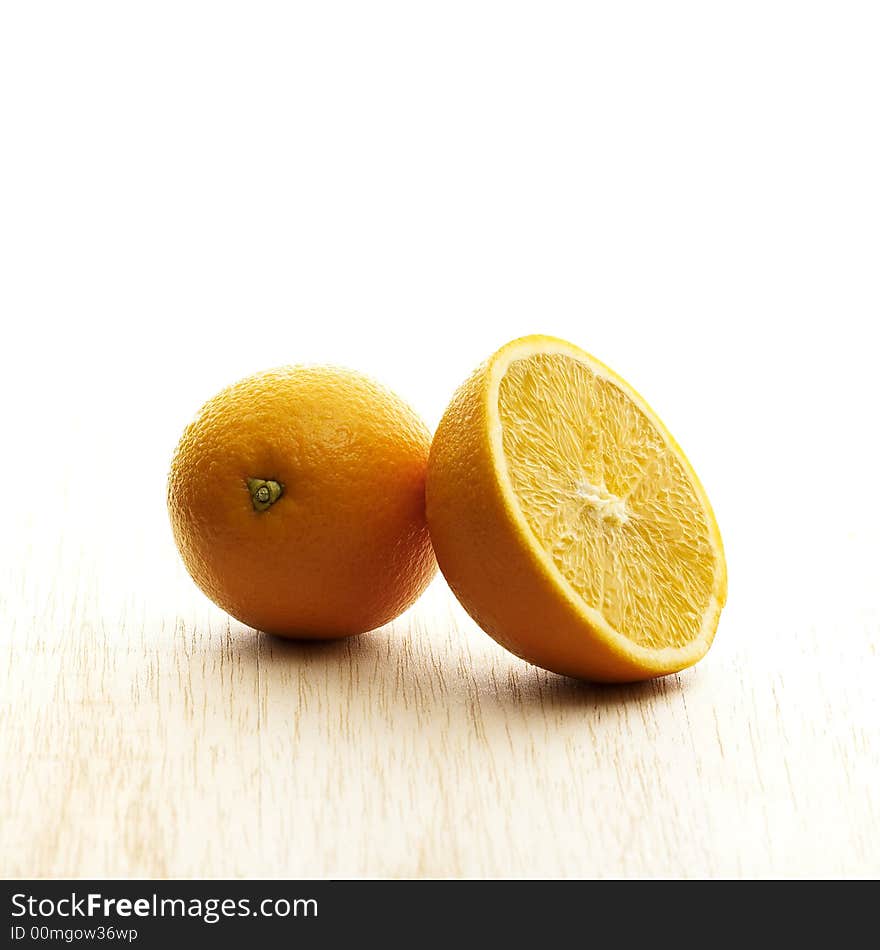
{"points": [[297, 500]]}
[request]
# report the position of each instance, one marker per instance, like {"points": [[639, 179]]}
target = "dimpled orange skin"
{"points": [[345, 548]]}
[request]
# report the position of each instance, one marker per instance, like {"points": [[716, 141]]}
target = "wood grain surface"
{"points": [[145, 734]]}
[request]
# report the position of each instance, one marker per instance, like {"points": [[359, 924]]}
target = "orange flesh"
{"points": [[608, 498]]}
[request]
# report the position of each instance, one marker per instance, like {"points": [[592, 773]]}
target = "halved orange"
{"points": [[568, 521]]}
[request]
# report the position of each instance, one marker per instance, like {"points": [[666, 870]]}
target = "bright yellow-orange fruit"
{"points": [[568, 521], [297, 502]]}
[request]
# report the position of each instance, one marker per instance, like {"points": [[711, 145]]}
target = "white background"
{"points": [[191, 193], [691, 191]]}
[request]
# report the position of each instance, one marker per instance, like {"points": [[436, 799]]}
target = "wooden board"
{"points": [[143, 734]]}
